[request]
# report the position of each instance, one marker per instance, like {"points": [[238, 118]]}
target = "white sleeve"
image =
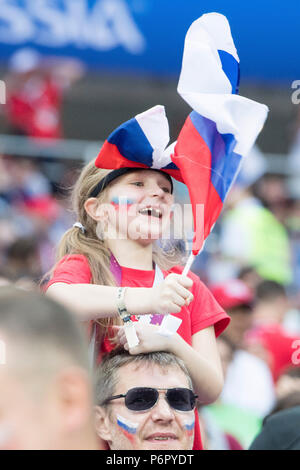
{"points": [[249, 384]]}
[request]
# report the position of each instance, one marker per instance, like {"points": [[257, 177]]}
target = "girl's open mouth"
{"points": [[151, 211]]}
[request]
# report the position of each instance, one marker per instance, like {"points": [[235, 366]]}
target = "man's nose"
{"points": [[162, 410]]}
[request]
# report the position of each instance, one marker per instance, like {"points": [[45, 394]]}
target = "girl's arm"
{"points": [[201, 359], [93, 301], [203, 363]]}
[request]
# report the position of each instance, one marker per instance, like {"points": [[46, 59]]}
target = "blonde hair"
{"points": [[88, 244]]}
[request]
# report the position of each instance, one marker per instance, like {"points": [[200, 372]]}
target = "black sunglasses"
{"points": [[144, 398]]}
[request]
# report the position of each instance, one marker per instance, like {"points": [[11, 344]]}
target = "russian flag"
{"points": [[222, 127], [216, 136]]}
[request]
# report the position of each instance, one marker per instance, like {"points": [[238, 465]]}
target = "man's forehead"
{"points": [[150, 375]]}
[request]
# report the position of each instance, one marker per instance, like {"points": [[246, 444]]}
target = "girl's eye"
{"points": [[166, 190], [138, 183]]}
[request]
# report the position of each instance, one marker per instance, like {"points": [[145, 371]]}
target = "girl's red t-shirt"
{"points": [[203, 311]]}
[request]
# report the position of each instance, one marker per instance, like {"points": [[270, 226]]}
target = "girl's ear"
{"points": [[94, 210]]}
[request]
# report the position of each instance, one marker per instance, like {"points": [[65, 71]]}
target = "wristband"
{"points": [[129, 328], [122, 310]]}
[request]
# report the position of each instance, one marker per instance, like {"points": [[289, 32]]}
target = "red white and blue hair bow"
{"points": [[215, 137]]}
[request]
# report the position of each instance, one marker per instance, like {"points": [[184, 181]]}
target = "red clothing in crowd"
{"points": [[203, 312], [34, 109], [280, 346]]}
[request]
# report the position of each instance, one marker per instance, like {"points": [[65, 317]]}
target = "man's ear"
{"points": [[94, 209], [73, 397], [103, 424]]}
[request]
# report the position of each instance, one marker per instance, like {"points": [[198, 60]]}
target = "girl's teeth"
{"points": [[150, 211]]}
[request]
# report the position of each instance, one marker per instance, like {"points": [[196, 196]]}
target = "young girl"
{"points": [[103, 251]]}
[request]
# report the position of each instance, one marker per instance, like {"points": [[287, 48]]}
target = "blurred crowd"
{"points": [[251, 262]]}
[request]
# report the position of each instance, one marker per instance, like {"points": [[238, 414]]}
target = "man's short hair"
{"points": [[269, 290], [40, 331], [293, 372], [107, 373]]}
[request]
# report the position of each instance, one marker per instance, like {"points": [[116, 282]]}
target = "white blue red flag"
{"points": [[217, 134]]}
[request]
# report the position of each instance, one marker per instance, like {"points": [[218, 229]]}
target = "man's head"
{"points": [[145, 419], [226, 351], [272, 302], [288, 382], [280, 431], [236, 298], [46, 396]]}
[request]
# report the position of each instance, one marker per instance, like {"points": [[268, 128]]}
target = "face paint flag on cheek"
{"points": [[122, 202], [128, 428], [189, 427]]}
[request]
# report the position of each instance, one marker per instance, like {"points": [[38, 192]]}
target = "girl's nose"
{"points": [[156, 190]]}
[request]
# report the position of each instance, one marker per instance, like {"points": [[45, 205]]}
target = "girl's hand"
{"points": [[149, 338], [171, 294]]}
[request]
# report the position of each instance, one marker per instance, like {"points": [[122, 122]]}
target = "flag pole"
{"points": [[188, 264]]}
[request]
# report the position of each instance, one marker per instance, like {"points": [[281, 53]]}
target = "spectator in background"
{"points": [[217, 432], [22, 260], [288, 382], [46, 393], [135, 411], [268, 338], [228, 426], [236, 299], [35, 87], [250, 233], [289, 400], [281, 431], [24, 180], [273, 191], [29, 210], [240, 389], [250, 277], [271, 303], [215, 436], [294, 154]]}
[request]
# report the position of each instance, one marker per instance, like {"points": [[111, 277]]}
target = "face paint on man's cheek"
{"points": [[189, 426], [128, 428]]}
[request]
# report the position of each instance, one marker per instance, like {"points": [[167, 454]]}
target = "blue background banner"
{"points": [[146, 36]]}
